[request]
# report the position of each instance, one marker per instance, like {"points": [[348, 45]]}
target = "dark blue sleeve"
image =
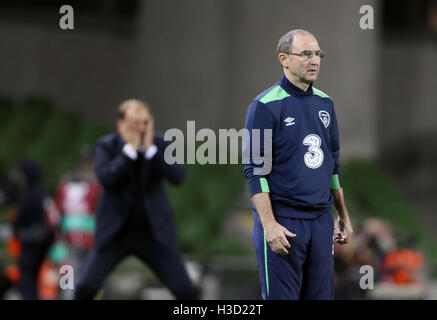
{"points": [[258, 118], [174, 173], [110, 170], [335, 151]]}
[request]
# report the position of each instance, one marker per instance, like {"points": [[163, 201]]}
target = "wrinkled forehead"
{"points": [[135, 112], [304, 42]]}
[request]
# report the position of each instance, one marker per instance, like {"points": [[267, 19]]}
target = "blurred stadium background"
{"points": [[204, 61]]}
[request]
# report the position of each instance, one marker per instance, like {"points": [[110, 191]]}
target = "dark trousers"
{"points": [[307, 271], [31, 259], [164, 260]]}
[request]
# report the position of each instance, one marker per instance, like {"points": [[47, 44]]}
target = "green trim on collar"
{"points": [[276, 93], [320, 93]]}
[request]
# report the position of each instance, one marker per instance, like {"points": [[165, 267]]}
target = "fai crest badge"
{"points": [[324, 116]]}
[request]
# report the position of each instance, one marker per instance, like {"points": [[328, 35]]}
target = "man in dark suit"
{"points": [[134, 216]]}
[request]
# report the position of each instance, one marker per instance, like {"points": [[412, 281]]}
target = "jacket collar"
{"points": [[119, 141], [292, 89]]}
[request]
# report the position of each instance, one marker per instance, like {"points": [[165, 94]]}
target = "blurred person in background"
{"points": [[375, 244], [31, 227], [347, 262], [9, 272], [396, 260], [375, 240], [134, 216], [76, 199]]}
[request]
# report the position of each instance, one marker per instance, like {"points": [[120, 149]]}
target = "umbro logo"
{"points": [[289, 121]]}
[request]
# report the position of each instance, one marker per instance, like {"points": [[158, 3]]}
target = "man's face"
{"points": [[303, 69], [136, 119]]}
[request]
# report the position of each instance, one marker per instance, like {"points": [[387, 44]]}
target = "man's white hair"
{"points": [[285, 42]]}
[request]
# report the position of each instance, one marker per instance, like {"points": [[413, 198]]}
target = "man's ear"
{"points": [[283, 59], [118, 124]]}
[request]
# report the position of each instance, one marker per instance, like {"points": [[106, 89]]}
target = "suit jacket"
{"points": [[116, 173]]}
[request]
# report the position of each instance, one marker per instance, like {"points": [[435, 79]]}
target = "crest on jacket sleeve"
{"points": [[324, 117]]}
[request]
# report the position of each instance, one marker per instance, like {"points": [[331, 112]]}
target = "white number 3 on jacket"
{"points": [[314, 157]]}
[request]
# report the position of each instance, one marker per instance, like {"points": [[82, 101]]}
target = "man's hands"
{"points": [[276, 237], [148, 140], [137, 136], [276, 234], [130, 135], [343, 230]]}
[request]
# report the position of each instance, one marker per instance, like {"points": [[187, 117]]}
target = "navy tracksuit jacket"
{"points": [[304, 167]]}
